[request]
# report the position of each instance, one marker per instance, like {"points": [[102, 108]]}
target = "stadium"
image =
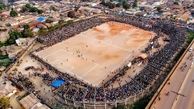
{"points": [[109, 59]]}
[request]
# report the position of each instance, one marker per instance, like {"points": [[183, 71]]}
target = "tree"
{"points": [[27, 31], [26, 26], [30, 8], [4, 103], [33, 9], [13, 13], [5, 62], [52, 8], [42, 31], [159, 9], [28, 5], [2, 6], [134, 4], [118, 4], [13, 35], [49, 20], [103, 2], [176, 2], [24, 9], [40, 11], [76, 8], [110, 5], [126, 5], [71, 14]]}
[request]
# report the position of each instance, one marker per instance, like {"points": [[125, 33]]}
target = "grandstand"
{"points": [[158, 40]]}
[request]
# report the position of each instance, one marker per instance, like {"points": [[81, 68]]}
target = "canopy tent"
{"points": [[41, 19], [57, 83]]}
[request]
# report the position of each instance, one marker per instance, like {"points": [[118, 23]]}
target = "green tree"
{"points": [[190, 35], [33, 9], [27, 32], [176, 2], [30, 8], [13, 13], [26, 26], [5, 62], [4, 103], [103, 2], [40, 11], [42, 31], [159, 9], [118, 4], [71, 14], [134, 4], [24, 9], [28, 5], [110, 5], [126, 5], [13, 35], [2, 6]]}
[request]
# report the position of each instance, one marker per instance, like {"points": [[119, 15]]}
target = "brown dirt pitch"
{"points": [[93, 55]]}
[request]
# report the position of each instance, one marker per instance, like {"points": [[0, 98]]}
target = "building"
{"points": [[31, 102]]}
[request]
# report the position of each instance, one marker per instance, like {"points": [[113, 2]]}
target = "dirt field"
{"points": [[92, 55]]}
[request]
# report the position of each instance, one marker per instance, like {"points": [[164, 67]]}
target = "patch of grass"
{"points": [[190, 36]]}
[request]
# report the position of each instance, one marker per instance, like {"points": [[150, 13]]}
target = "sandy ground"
{"points": [[178, 93], [92, 55]]}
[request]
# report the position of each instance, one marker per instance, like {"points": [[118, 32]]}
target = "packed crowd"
{"points": [[23, 82], [157, 62], [69, 31]]}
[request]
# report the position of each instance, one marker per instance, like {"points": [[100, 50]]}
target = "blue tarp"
{"points": [[57, 83], [41, 19]]}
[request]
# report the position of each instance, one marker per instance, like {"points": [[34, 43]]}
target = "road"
{"points": [[178, 91], [187, 89]]}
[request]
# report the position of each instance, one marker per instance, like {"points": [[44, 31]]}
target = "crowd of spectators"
{"points": [[24, 82], [69, 31]]}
